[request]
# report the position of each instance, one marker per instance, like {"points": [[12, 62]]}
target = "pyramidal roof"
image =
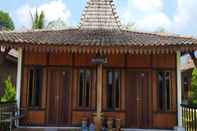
{"points": [[100, 14]]}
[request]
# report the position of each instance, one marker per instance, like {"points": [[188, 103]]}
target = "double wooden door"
{"points": [[137, 97], [58, 96]]}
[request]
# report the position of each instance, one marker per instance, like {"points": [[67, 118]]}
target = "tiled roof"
{"points": [[94, 38], [99, 14], [99, 31], [98, 38]]}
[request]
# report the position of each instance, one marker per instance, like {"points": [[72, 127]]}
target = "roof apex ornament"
{"points": [[100, 14]]}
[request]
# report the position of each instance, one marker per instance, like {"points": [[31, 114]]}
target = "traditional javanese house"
{"points": [[100, 70]]}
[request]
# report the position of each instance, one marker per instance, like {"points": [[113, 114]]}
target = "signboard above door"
{"points": [[99, 60]]}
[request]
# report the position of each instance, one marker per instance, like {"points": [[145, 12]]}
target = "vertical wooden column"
{"points": [[179, 89], [99, 97]]}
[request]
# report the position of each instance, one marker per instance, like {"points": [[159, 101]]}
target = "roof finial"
{"points": [[100, 14]]}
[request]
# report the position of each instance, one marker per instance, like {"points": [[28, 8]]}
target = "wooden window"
{"points": [[113, 89], [84, 88], [35, 87], [164, 87]]}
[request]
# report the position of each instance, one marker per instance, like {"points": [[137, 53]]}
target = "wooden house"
{"points": [[101, 70]]}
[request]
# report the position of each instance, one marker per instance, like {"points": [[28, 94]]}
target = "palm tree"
{"points": [[38, 20]]}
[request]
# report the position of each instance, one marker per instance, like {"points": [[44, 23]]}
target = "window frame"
{"points": [[78, 89], [34, 68], [165, 108], [114, 104]]}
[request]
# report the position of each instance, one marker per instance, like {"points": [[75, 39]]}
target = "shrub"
{"points": [[9, 91], [194, 87]]}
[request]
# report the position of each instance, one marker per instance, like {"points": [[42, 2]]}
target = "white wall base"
{"points": [[178, 128]]}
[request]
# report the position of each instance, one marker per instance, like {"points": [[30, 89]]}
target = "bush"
{"points": [[9, 91], [194, 87]]}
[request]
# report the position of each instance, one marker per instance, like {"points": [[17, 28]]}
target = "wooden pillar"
{"points": [[99, 97], [19, 75], [179, 98]]}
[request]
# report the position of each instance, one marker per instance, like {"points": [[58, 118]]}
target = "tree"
{"points": [[6, 22], [194, 87], [38, 20], [160, 30], [130, 26], [57, 24]]}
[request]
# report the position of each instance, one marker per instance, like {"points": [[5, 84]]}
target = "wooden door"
{"points": [[137, 100], [58, 96]]}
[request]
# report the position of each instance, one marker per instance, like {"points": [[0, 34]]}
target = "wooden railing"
{"points": [[189, 116]]}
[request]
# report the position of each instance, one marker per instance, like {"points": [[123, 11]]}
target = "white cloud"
{"points": [[153, 21], [146, 5], [185, 17], [149, 15], [53, 10]]}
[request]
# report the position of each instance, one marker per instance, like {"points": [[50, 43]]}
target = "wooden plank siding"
{"points": [[149, 63]]}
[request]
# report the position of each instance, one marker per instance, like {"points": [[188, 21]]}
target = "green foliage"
{"points": [[9, 91], [38, 20], [160, 30], [130, 26], [194, 87], [57, 24], [5, 21]]}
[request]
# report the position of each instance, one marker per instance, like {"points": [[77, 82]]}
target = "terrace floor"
{"points": [[46, 129], [74, 129]]}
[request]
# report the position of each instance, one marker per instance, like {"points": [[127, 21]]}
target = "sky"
{"points": [[175, 16]]}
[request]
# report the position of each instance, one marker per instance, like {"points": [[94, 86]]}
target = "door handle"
{"points": [[138, 99], [57, 97]]}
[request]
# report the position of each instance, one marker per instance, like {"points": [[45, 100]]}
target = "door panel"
{"points": [[58, 88], [137, 99]]}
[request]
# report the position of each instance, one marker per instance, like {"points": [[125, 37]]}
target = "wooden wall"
{"points": [[150, 63]]}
